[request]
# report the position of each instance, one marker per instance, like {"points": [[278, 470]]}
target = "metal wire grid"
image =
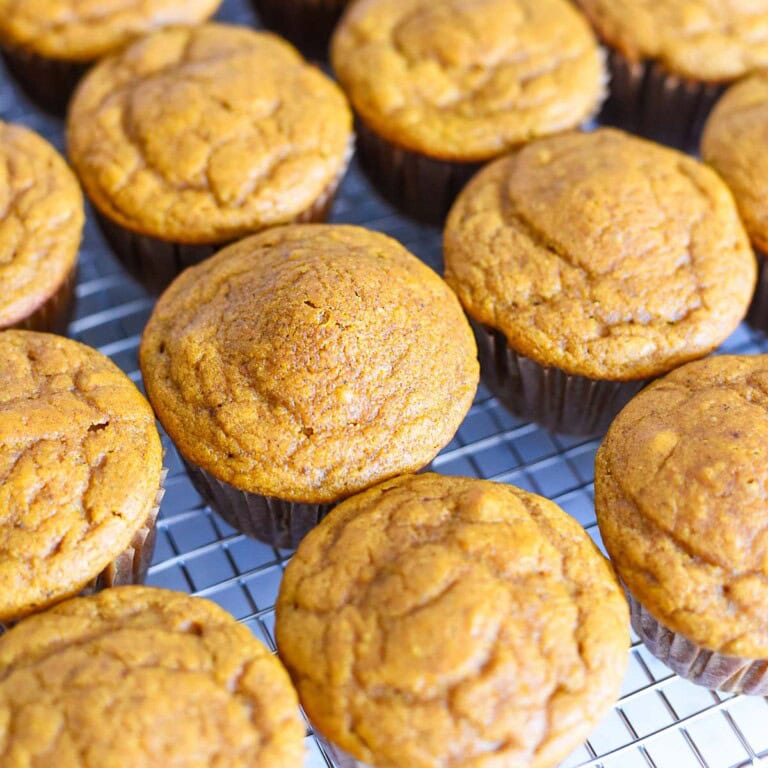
{"points": [[660, 721]]}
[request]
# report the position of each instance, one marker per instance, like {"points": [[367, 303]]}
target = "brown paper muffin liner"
{"points": [[48, 82], [559, 401], [132, 564], [699, 665], [155, 262], [54, 314], [308, 24], [420, 186], [648, 100], [279, 523], [757, 316]]}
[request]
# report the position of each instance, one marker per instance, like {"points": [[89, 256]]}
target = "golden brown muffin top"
{"points": [[203, 135], [41, 221], [136, 676], [309, 362], [468, 79], [735, 144], [680, 485], [601, 254], [443, 621], [712, 40], [85, 30], [80, 463]]}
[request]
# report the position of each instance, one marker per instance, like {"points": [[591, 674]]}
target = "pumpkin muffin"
{"points": [[440, 87], [40, 229], [304, 364], [80, 469], [308, 24], [680, 497], [447, 621], [735, 144], [139, 676], [669, 60], [49, 44], [181, 148], [589, 263]]}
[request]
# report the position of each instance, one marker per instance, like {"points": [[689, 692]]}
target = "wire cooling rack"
{"points": [[659, 721]]}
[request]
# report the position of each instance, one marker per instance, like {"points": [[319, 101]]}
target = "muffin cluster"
{"points": [[308, 373]]}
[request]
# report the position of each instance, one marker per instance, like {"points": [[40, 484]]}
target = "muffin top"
{"points": [[202, 135], [309, 362], [735, 144], [41, 222], [140, 676], [680, 496], [602, 254], [445, 621], [468, 79], [84, 30], [80, 463], [701, 39]]}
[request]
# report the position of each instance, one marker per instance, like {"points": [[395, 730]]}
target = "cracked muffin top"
{"points": [[445, 621], [735, 143], [466, 80], [41, 221], [602, 254], [713, 40], [141, 676], [309, 362], [205, 134], [80, 464], [84, 30], [680, 484]]}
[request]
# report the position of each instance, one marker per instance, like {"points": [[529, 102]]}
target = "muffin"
{"points": [[440, 87], [40, 228], [49, 44], [446, 621], [304, 364], [80, 462], [182, 148], [590, 263], [734, 143], [139, 676], [308, 24], [680, 497], [669, 60]]}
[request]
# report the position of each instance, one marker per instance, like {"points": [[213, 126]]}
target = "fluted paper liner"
{"points": [[54, 314], [648, 100], [277, 522], [559, 401], [695, 663], [155, 262], [420, 186], [757, 316], [48, 82], [308, 24], [132, 564]]}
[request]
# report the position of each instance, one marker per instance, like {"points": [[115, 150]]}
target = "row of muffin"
{"points": [[427, 620]]}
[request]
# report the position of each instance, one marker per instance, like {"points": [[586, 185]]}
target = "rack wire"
{"points": [[660, 720]]}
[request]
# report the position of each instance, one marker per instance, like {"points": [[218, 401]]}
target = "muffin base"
{"points": [[561, 402], [54, 314], [308, 24], [155, 262], [132, 564], [696, 664], [757, 316], [420, 186], [48, 82], [648, 100], [279, 523]]}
